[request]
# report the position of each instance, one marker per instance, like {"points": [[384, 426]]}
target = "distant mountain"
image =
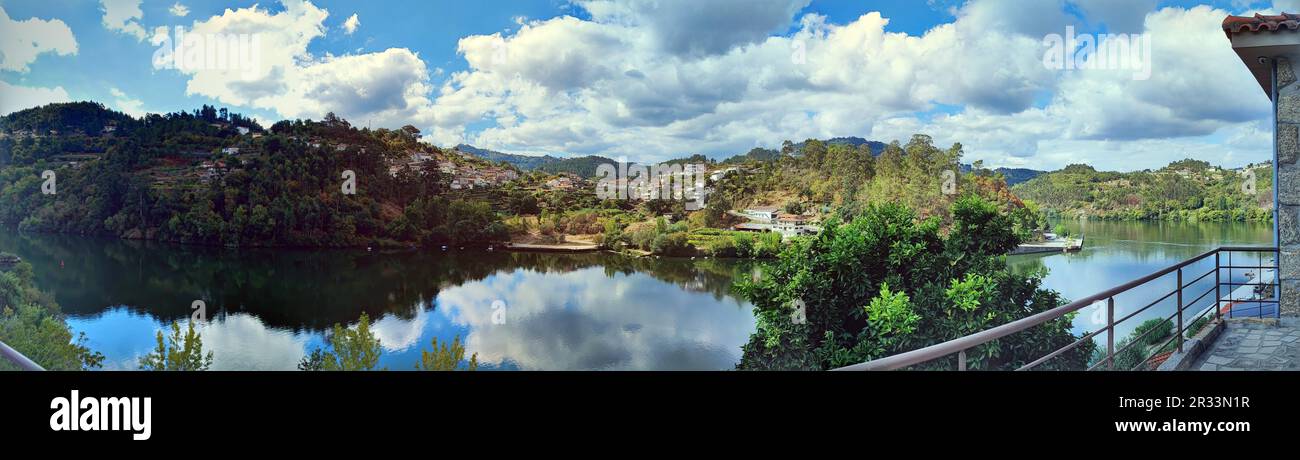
{"points": [[524, 162], [761, 154], [582, 166], [755, 154], [877, 147], [1018, 175]]}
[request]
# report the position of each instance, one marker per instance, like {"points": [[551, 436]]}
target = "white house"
{"points": [[766, 214]]}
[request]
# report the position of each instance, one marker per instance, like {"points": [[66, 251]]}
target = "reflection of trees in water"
{"points": [[1160, 241], [297, 289]]}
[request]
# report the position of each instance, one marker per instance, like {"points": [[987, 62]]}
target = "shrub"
{"points": [[178, 353], [744, 243], [672, 244], [1197, 325], [1161, 329], [918, 286], [352, 350]]}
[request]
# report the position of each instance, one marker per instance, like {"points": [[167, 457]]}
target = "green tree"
{"points": [[178, 353], [887, 282], [446, 357], [30, 323], [353, 349]]}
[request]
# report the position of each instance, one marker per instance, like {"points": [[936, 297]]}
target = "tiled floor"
{"points": [[1254, 346]]}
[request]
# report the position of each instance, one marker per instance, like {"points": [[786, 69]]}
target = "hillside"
{"points": [[523, 162], [1184, 190], [584, 166], [1018, 175], [197, 178]]}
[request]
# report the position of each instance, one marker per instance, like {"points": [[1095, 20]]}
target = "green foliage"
{"points": [[446, 357], [352, 349], [1061, 231], [1156, 330], [178, 353], [151, 180], [30, 323], [1196, 326], [1186, 190], [918, 287], [890, 313]]}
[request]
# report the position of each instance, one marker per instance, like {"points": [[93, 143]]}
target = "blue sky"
{"points": [[626, 78]]}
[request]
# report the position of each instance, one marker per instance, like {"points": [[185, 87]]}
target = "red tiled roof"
{"points": [[1271, 23]]}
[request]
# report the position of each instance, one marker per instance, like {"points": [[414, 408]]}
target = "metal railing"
{"points": [[1243, 298], [18, 359]]}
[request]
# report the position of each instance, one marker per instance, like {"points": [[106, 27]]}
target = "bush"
{"points": [[446, 357], [744, 243], [721, 247], [672, 244], [768, 246], [1061, 231], [352, 350], [30, 323], [1197, 325], [1161, 329], [887, 283], [178, 353]]}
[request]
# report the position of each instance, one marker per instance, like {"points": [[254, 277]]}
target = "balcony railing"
{"points": [[1252, 291], [18, 359]]}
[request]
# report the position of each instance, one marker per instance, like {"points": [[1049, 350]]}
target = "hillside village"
{"points": [[239, 177]]}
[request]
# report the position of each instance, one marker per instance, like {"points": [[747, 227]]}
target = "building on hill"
{"points": [[764, 214], [565, 183]]}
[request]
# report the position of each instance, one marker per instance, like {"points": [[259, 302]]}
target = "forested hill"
{"points": [[1183, 190], [196, 177], [1018, 175], [585, 166], [524, 162]]}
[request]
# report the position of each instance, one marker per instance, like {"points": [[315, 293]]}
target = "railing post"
{"points": [[1218, 288], [961, 360], [1110, 333], [1179, 331]]}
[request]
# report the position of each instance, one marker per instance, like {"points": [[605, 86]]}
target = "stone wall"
{"points": [[1287, 216]]}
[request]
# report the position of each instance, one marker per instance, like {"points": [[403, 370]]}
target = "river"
{"points": [[517, 311]]}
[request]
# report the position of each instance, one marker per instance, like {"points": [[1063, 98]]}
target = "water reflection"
{"points": [[1118, 252], [266, 308]]}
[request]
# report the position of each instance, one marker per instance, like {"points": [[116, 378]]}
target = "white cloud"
{"points": [[123, 16], [614, 86], [14, 98], [179, 10], [22, 41], [351, 24], [572, 86], [642, 79], [581, 320], [240, 341], [386, 88], [1197, 85], [127, 104], [691, 27]]}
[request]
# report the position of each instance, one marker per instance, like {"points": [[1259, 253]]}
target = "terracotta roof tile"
{"points": [[1238, 24]]}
